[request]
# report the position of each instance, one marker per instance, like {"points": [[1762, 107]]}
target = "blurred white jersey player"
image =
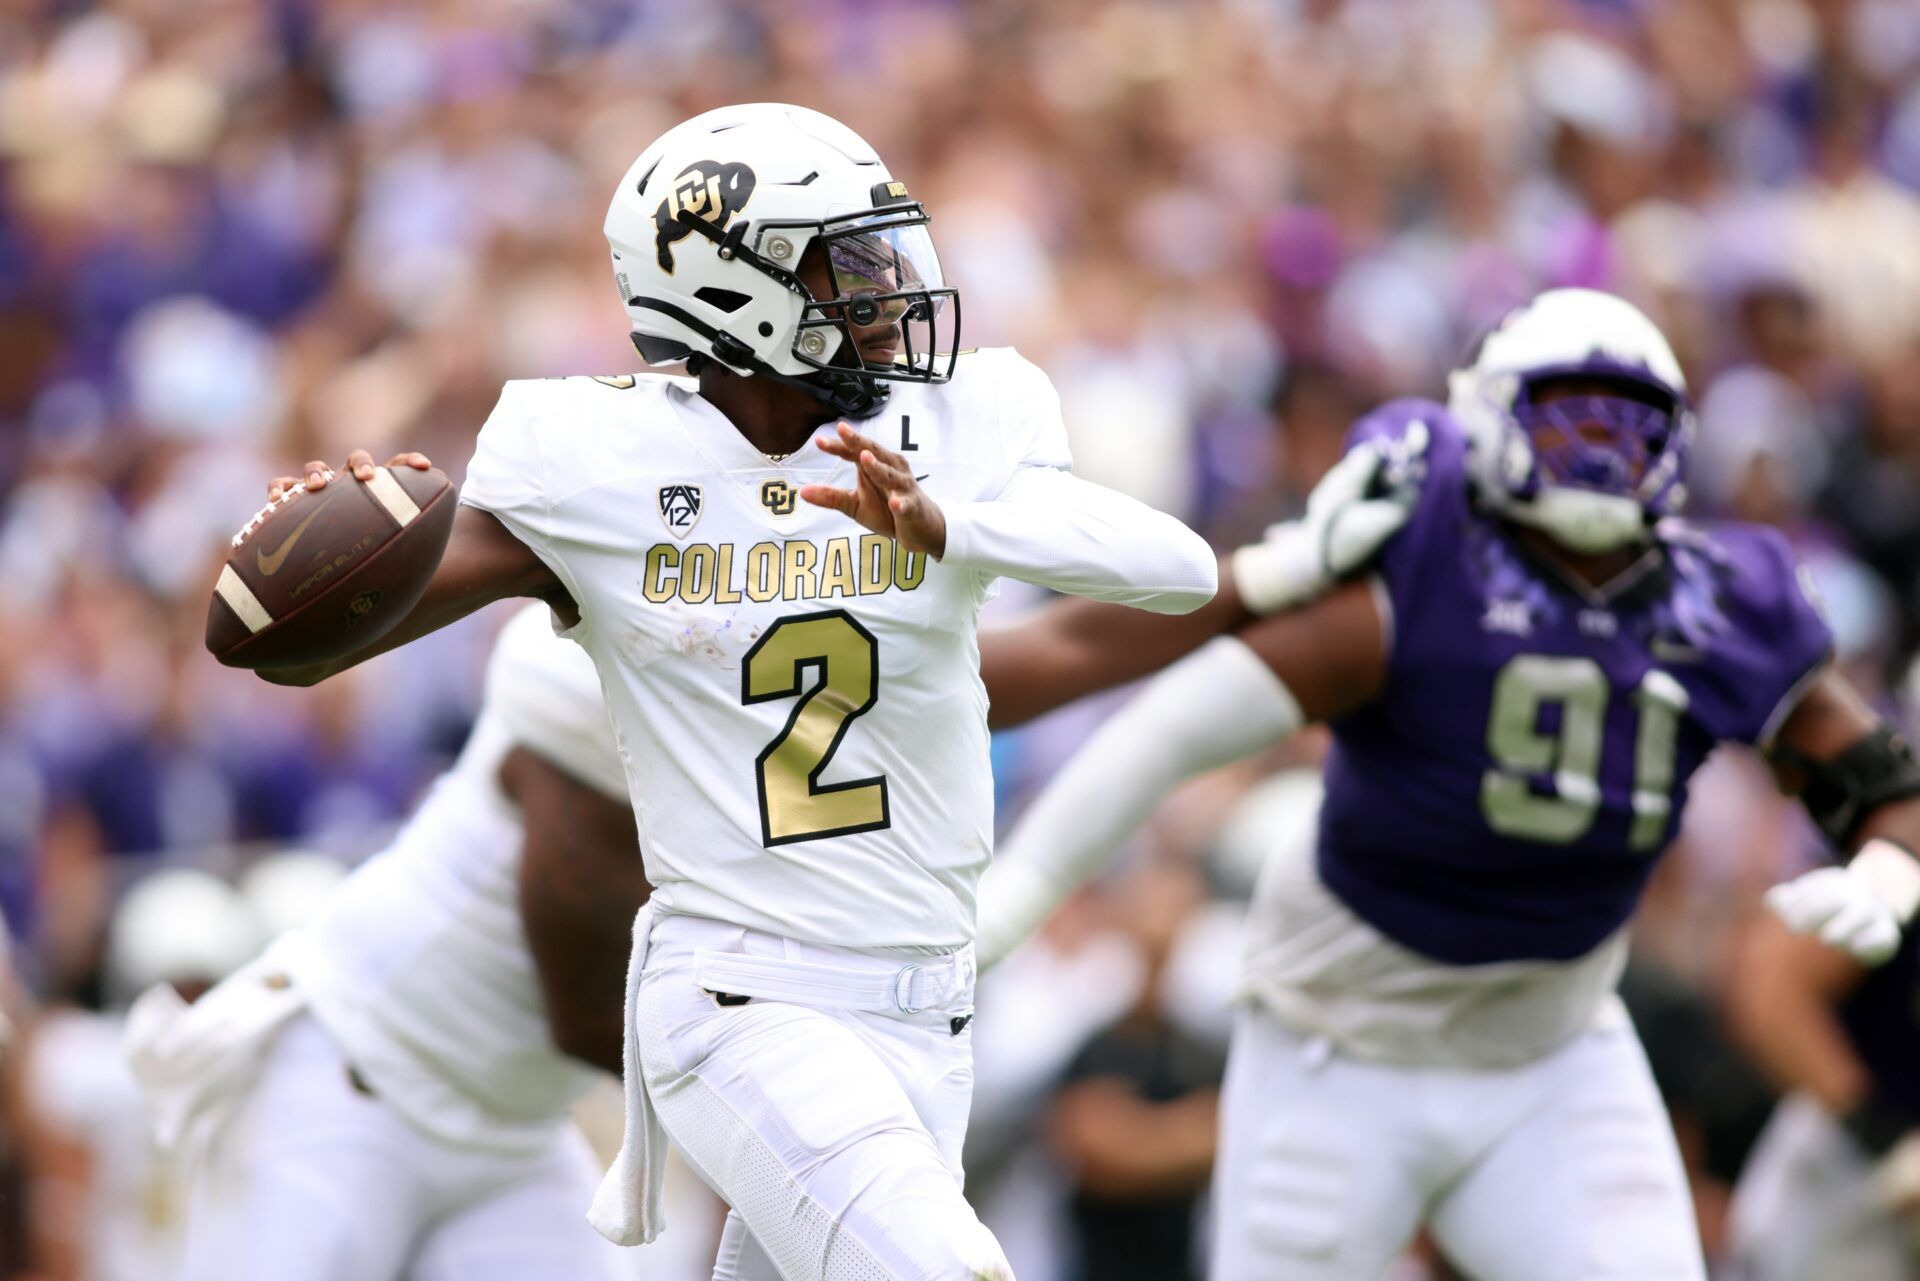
{"points": [[107, 1203], [379, 1095]]}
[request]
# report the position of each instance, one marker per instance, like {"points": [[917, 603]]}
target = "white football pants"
{"points": [[315, 1180], [1564, 1168], [1804, 1211], [834, 1133]]}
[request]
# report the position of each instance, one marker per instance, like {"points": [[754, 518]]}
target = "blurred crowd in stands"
{"points": [[239, 234]]}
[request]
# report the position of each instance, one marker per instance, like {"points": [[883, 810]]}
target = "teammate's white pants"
{"points": [[834, 1133], [1804, 1210], [1564, 1169], [314, 1179]]}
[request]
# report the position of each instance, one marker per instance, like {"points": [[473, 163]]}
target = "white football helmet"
{"points": [[177, 925], [708, 230], [1594, 472]]}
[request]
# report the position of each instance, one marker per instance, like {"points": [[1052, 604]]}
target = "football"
{"points": [[320, 574]]}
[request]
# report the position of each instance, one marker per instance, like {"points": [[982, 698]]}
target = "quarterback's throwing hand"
{"points": [[887, 499], [359, 462]]}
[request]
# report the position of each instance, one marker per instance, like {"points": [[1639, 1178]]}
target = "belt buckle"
{"points": [[903, 990]]}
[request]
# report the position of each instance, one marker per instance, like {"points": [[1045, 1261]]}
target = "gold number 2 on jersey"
{"points": [[794, 804]]}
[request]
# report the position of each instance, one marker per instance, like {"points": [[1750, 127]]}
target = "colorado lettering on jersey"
{"points": [[796, 569]]}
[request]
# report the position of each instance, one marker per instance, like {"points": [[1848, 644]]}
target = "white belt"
{"points": [[907, 989]]}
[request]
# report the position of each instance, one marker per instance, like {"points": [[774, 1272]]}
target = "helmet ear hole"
{"points": [[727, 300], [660, 351]]}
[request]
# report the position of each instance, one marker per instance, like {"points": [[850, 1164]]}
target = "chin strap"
{"points": [[1582, 521], [848, 394]]}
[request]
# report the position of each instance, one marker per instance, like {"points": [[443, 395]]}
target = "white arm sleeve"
{"points": [[1215, 706], [1051, 528]]}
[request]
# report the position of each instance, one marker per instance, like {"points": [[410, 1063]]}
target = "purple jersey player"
{"points": [[1518, 691], [1505, 794]]}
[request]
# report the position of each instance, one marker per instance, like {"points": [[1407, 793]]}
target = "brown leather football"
{"points": [[322, 574]]}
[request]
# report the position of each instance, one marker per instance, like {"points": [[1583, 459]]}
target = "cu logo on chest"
{"points": [[778, 497]]}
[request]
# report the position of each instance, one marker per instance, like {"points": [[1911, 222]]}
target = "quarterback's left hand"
{"points": [[1846, 907], [887, 499]]}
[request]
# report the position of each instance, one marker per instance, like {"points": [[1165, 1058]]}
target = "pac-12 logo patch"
{"points": [[680, 508], [706, 189], [777, 496]]}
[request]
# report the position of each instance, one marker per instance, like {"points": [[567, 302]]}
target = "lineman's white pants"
{"points": [[1804, 1210], [315, 1180], [833, 1132], [1562, 1169]]}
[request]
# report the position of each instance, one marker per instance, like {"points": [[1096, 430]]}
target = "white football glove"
{"points": [[1860, 908], [1362, 501]]}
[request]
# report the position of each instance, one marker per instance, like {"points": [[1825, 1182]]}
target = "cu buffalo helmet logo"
{"points": [[680, 508], [706, 189]]}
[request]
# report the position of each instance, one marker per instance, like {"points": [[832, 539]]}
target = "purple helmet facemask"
{"points": [[1608, 443]]}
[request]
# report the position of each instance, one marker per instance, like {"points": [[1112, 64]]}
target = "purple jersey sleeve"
{"points": [[1742, 590]]}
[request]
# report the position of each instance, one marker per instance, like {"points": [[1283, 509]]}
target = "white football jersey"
{"points": [[1325, 972], [798, 700], [418, 965], [76, 1082]]}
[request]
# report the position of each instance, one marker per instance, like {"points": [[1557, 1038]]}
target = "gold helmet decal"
{"points": [[706, 189]]}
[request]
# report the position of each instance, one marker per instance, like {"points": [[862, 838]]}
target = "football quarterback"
{"points": [[776, 563], [1518, 695]]}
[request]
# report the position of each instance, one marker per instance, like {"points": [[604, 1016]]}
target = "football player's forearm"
{"points": [[1860, 783], [1781, 1010], [1071, 648], [1895, 821], [482, 563], [580, 885], [1801, 1048], [436, 610], [1215, 706], [1061, 532]]}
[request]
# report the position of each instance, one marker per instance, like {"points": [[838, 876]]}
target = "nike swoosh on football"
{"points": [[270, 564]]}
